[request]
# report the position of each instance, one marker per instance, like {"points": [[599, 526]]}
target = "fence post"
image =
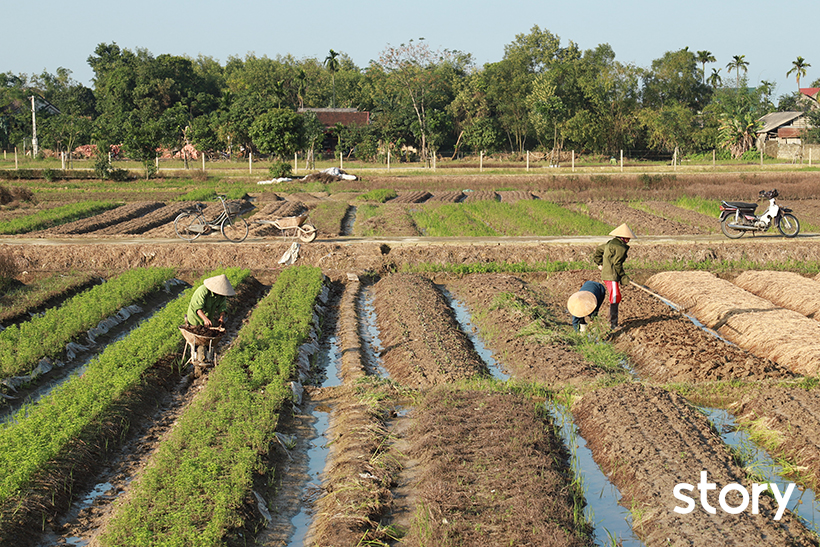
{"points": [[481, 161], [528, 160], [573, 161], [15, 159], [295, 162], [388, 157], [714, 155], [341, 160], [622, 161], [156, 162], [250, 161], [203, 162]]}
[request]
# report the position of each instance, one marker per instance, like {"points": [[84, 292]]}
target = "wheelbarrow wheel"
{"points": [[235, 230], [188, 226], [307, 233]]}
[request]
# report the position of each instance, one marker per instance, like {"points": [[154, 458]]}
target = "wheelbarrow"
{"points": [[292, 227], [207, 342]]}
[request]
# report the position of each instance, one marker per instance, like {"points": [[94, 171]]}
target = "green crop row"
{"points": [[35, 435], [55, 216], [193, 489], [492, 218], [47, 335]]}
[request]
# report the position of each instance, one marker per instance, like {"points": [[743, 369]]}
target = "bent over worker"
{"points": [[584, 304], [610, 258], [209, 303]]}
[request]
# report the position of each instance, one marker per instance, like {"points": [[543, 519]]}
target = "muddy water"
{"points": [[348, 221], [609, 519], [369, 332], [803, 501], [464, 321], [317, 455]]}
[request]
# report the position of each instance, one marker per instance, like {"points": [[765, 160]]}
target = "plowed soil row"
{"points": [[423, 343], [648, 440], [501, 325], [98, 222], [162, 217], [787, 420], [492, 472], [642, 223], [418, 196]]}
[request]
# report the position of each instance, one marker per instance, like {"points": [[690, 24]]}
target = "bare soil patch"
{"points": [[648, 440], [447, 197], [700, 223], [642, 223], [418, 196], [112, 217], [481, 195], [512, 196], [423, 343], [158, 218], [491, 473]]}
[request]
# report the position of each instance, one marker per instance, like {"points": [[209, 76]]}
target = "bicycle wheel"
{"points": [[235, 229], [788, 225], [189, 226]]}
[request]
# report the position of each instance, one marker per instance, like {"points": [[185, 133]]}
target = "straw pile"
{"points": [[753, 323], [785, 289]]}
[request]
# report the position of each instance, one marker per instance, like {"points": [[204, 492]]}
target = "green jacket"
{"points": [[612, 255], [210, 303]]}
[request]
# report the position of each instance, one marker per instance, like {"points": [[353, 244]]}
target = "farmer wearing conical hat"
{"points": [[610, 258], [209, 302], [584, 304]]}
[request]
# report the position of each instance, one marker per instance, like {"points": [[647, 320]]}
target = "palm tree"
{"points": [[738, 63], [799, 67], [714, 79], [332, 64], [704, 57]]}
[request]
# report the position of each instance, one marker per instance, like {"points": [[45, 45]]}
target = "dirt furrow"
{"points": [[787, 422], [649, 440], [491, 472], [423, 343]]}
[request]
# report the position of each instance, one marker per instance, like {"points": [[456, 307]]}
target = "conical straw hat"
{"points": [[581, 304], [219, 285], [623, 231]]}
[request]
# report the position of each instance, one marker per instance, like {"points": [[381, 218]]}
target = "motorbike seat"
{"points": [[741, 205]]}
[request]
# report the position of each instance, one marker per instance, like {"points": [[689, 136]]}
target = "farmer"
{"points": [[610, 258], [584, 304], [209, 302]]}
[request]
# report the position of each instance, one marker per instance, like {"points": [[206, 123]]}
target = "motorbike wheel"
{"points": [[235, 230], [788, 225], [731, 233], [188, 226], [307, 233]]}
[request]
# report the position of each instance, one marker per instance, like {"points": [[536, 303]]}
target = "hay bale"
{"points": [[786, 289], [753, 323]]}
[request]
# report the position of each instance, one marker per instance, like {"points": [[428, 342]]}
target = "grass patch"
{"points": [[380, 195]]}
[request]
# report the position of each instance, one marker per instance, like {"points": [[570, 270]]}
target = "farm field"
{"points": [[413, 379]]}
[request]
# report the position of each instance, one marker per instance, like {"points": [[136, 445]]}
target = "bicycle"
{"points": [[192, 223]]}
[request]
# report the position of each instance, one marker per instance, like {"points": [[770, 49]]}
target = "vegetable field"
{"points": [[413, 380]]}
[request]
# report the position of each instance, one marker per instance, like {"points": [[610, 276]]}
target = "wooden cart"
{"points": [[292, 227]]}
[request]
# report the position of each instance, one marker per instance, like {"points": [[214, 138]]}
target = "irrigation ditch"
{"points": [[444, 409]]}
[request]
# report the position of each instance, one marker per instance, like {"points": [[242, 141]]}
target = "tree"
{"points": [[278, 132], [703, 58], [425, 78], [799, 67], [737, 64], [332, 65], [714, 79]]}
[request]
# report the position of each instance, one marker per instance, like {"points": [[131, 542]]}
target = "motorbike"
{"points": [[738, 217]]}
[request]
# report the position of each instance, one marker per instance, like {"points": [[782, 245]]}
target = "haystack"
{"points": [[785, 289], [753, 323]]}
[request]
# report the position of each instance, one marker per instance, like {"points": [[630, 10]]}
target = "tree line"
{"points": [[540, 95]]}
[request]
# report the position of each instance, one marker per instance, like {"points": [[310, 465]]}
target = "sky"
{"points": [[51, 34]]}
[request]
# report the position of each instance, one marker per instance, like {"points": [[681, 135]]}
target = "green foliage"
{"points": [[201, 194], [277, 132], [55, 216], [280, 169], [493, 218], [379, 195], [21, 346], [49, 426], [192, 493]]}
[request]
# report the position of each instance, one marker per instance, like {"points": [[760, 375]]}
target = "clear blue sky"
{"points": [[48, 34]]}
